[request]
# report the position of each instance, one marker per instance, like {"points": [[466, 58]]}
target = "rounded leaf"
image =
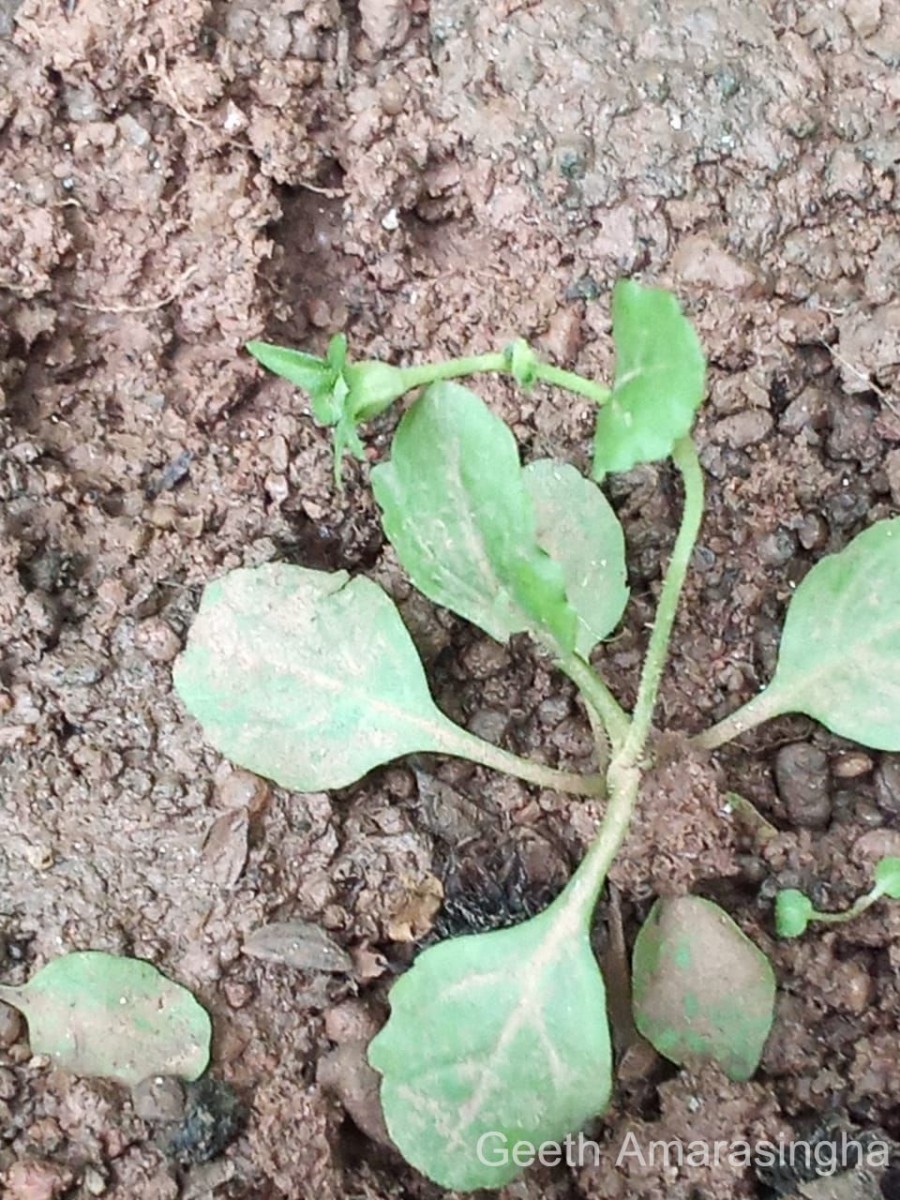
{"points": [[793, 912], [839, 660], [701, 987], [660, 379], [455, 508], [306, 677], [99, 1014], [493, 1039]]}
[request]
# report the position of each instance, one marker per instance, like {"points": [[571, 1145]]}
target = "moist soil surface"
{"points": [[178, 176]]}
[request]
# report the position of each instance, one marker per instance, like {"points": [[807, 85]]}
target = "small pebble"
{"points": [[485, 658], [350, 1021], [875, 845], [242, 789], [10, 1026], [237, 993], [489, 724], [851, 766], [887, 785], [801, 776], [159, 1098], [157, 641], [777, 548], [868, 814], [850, 988], [8, 1086], [812, 532]]}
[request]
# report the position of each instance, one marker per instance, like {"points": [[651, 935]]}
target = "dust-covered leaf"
{"points": [[98, 1014], [701, 987], [839, 660], [307, 677], [455, 508], [492, 1039], [659, 384], [578, 528], [298, 944]]}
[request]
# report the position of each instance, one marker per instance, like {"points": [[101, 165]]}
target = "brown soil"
{"points": [[181, 175]]}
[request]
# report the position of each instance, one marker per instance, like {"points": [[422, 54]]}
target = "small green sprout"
{"points": [[311, 679], [794, 910]]}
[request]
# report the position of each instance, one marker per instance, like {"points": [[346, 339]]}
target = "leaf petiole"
{"points": [[467, 745], [685, 457]]}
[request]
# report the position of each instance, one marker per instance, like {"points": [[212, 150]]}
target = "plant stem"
{"points": [[858, 906], [685, 457], [466, 745], [421, 376], [598, 697], [583, 889], [425, 373], [572, 382], [748, 716]]}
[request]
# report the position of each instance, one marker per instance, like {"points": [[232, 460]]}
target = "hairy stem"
{"points": [[598, 697], [583, 889], [685, 457], [466, 745], [748, 716]]}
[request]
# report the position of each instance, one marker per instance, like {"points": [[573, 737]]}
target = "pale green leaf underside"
{"points": [[502, 1033], [307, 677], [577, 527], [701, 987], [455, 508], [99, 1014], [659, 384], [839, 660]]}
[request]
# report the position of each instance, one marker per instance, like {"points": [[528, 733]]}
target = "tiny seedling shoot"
{"points": [[311, 679]]}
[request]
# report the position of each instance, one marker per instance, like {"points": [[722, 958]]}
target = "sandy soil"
{"points": [[177, 177]]}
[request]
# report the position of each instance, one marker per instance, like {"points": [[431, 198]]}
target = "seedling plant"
{"points": [[311, 679]]}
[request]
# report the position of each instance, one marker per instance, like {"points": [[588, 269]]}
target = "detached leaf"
{"points": [[701, 987], [97, 1014], [308, 678], [577, 527], [839, 660], [660, 380], [499, 1036], [456, 510]]}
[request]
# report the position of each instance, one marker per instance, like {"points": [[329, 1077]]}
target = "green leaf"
{"points": [[97, 1014], [793, 912], [308, 678], [493, 1039], [660, 380], [887, 877], [304, 371], [701, 988], [455, 508], [839, 660], [578, 528]]}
